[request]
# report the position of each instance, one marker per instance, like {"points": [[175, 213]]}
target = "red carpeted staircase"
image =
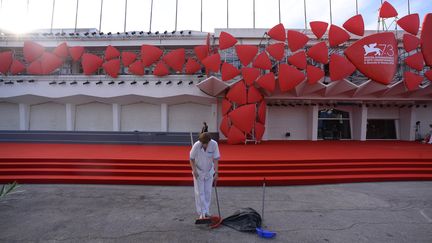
{"points": [[136, 165]]}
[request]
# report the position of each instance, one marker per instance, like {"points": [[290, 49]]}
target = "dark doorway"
{"points": [[333, 124], [381, 129]]}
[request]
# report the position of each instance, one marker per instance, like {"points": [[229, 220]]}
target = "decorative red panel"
{"points": [[229, 71], [250, 75], [128, 58], [224, 126], [410, 23], [355, 25], [319, 52], [112, 67], [243, 117], [259, 131], [61, 50], [375, 56], [32, 51], [150, 54], [267, 82], [76, 52], [318, 28], [161, 69], [412, 81], [50, 62], [314, 74], [410, 42], [296, 40], [262, 112], [90, 63], [111, 52], [35, 68], [226, 106], [340, 67], [337, 35], [262, 61], [415, 61], [298, 60], [253, 95], [236, 136], [426, 39], [192, 66], [136, 68], [277, 50], [237, 93], [277, 32], [17, 67], [289, 77], [201, 52], [212, 63], [226, 40], [5, 61], [246, 53], [387, 10], [175, 59]]}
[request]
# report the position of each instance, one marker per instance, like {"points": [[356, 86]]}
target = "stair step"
{"points": [[231, 181]]}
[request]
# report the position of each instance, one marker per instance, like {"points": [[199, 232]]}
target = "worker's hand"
{"points": [[215, 176], [195, 174]]}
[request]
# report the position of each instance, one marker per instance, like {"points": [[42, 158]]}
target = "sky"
{"points": [[20, 16]]}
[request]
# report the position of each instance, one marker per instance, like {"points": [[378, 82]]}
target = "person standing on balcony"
{"points": [[204, 157]]}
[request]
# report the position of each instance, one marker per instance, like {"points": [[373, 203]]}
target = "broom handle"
{"points": [[262, 211], [217, 199]]}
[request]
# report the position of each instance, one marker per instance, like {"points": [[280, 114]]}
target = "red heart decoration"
{"points": [[226, 40], [426, 39], [375, 56], [410, 23], [340, 67]]}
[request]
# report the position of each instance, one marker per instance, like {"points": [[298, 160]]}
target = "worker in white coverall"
{"points": [[204, 157]]}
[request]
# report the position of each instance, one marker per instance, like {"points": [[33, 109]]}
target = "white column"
{"points": [[214, 124], [313, 123], [363, 129], [116, 117], [70, 117], [164, 117], [24, 116]]}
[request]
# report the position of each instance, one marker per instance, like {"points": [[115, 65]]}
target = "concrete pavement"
{"points": [[362, 212]]}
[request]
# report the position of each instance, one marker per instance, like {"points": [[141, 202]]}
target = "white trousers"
{"points": [[203, 190]]}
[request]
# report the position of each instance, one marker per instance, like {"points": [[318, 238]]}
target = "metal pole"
{"points": [[254, 14], [279, 12], [151, 14], [356, 7], [52, 16], [330, 13], [100, 17], [409, 9], [227, 15], [176, 16], [201, 14], [125, 20], [76, 15], [304, 7]]}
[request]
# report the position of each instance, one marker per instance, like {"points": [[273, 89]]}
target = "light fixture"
{"points": [[191, 82], [20, 81], [31, 81], [179, 82], [109, 33], [181, 32], [62, 82], [53, 82], [71, 34], [134, 82], [121, 82], [9, 82], [141, 32], [146, 82], [133, 32], [173, 32], [74, 82], [149, 33], [99, 82], [157, 33], [86, 82], [93, 33], [169, 82], [166, 32], [86, 33], [111, 83], [190, 32], [158, 82], [101, 33]]}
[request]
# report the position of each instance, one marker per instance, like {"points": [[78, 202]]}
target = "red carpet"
{"points": [[281, 163]]}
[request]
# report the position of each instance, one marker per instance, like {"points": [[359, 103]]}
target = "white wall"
{"points": [[94, 117], [281, 120], [9, 116], [189, 117], [141, 117], [383, 113], [48, 116]]}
